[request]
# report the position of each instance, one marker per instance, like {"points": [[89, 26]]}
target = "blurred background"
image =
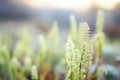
{"points": [[38, 16]]}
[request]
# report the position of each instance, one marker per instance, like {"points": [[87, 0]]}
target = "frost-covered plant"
{"points": [[79, 59]]}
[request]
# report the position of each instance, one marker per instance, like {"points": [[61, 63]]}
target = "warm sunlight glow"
{"points": [[70, 4], [57, 3], [67, 4], [108, 4]]}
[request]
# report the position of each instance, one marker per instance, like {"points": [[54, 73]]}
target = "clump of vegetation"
{"points": [[17, 64], [24, 62], [79, 59], [80, 49]]}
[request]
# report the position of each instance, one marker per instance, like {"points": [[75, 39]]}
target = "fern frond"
{"points": [[69, 53], [84, 32], [70, 58], [42, 52], [43, 48], [53, 37], [43, 45], [99, 37], [23, 44], [87, 54], [79, 60]]}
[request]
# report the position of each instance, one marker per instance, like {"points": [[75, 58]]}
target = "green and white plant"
{"points": [[79, 59]]}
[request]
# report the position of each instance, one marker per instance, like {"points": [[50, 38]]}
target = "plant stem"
{"points": [[87, 70], [80, 62]]}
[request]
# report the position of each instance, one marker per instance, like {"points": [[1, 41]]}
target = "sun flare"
{"points": [[70, 4]]}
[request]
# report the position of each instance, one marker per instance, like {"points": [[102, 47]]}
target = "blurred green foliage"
{"points": [[23, 62]]}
